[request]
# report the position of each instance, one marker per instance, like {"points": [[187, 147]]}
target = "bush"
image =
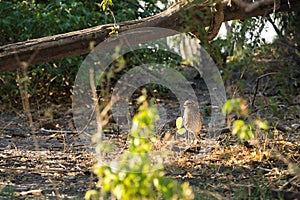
{"points": [[136, 177]]}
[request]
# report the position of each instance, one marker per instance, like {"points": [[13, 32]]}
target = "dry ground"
{"points": [[55, 165]]}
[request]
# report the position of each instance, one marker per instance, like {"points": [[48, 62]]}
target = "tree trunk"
{"points": [[13, 56]]}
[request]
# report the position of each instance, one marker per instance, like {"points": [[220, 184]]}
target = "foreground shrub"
{"points": [[137, 176]]}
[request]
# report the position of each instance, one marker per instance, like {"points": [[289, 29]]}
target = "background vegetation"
{"points": [[265, 76], [23, 20]]}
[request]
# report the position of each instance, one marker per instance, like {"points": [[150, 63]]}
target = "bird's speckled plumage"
{"points": [[192, 117]]}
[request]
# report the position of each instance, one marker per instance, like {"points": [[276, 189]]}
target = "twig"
{"points": [[264, 169], [57, 131], [274, 26], [257, 84], [95, 100], [240, 78], [31, 192], [288, 182], [23, 87], [102, 117]]}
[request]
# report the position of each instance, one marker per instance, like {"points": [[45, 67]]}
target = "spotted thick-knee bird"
{"points": [[192, 118]]}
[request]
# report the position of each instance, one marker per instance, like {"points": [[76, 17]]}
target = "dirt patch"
{"points": [[57, 165]]}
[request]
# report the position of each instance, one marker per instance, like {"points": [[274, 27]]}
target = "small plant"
{"points": [[180, 130], [244, 130], [136, 176]]}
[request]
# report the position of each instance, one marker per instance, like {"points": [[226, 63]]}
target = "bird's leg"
{"points": [[196, 138], [191, 136]]}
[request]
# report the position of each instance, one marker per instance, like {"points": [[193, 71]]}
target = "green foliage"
{"points": [[23, 20], [112, 31], [244, 131], [180, 129], [137, 177], [237, 105], [105, 4]]}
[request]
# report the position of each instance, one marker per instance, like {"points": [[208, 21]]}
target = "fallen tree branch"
{"points": [[253, 5], [13, 56]]}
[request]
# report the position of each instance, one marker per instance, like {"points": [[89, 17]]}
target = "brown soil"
{"points": [[55, 165]]}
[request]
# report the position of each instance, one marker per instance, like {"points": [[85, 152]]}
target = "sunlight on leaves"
{"points": [[238, 105], [105, 3], [261, 125], [92, 194], [179, 122], [180, 129], [136, 176], [244, 131]]}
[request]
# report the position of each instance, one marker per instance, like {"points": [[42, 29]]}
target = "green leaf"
{"points": [[181, 131], [105, 3], [261, 125], [227, 108], [179, 122], [237, 127], [92, 194], [242, 130], [238, 105]]}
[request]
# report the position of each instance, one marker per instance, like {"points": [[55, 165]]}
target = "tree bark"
{"points": [[13, 56]]}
